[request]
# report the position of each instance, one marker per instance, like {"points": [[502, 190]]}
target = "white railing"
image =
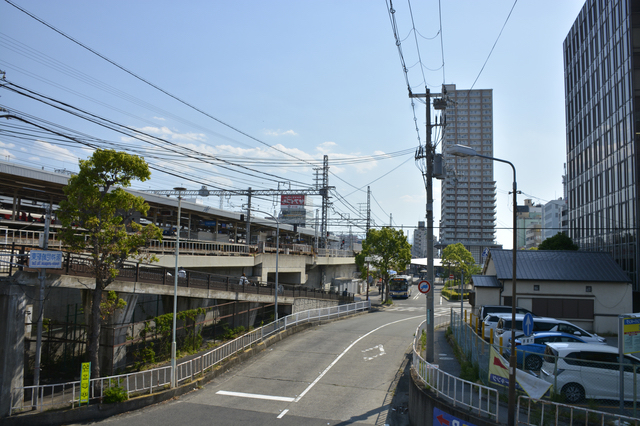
{"points": [[67, 394], [540, 412], [477, 398], [335, 253]]}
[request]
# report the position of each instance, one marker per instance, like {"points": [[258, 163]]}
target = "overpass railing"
{"points": [[81, 265], [146, 382], [477, 398], [167, 246]]}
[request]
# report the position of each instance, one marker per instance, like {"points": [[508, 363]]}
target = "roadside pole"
{"points": [[42, 275]]}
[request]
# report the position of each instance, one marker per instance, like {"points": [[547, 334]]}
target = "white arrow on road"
{"points": [[377, 354]]}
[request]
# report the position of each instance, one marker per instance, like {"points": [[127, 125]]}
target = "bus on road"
{"points": [[400, 286]]}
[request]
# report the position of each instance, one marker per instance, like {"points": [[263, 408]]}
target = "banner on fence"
{"points": [[85, 376], [499, 374]]}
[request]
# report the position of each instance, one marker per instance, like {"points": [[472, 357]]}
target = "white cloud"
{"points": [[325, 147], [280, 132], [56, 152], [6, 145], [166, 133], [158, 118]]}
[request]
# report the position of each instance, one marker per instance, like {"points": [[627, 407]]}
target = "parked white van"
{"points": [[582, 371]]}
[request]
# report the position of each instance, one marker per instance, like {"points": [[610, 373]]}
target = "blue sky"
{"points": [[307, 77]]}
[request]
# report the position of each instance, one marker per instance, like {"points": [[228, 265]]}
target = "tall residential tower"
{"points": [[468, 191], [602, 101]]}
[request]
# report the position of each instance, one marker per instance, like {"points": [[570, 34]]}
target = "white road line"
{"points": [[256, 396], [283, 413], [326, 370]]}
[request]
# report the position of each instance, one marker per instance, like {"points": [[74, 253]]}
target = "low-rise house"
{"points": [[588, 289]]}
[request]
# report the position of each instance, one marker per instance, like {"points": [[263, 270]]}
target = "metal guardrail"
{"points": [[157, 379], [534, 412], [477, 398]]}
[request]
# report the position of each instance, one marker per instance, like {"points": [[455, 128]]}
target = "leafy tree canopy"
{"points": [[457, 258], [97, 220], [559, 241], [387, 249]]}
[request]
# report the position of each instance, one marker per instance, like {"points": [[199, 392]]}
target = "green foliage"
{"points": [[388, 249], [110, 303], [559, 241], [229, 333], [469, 371], [98, 208], [115, 394], [193, 338], [453, 293], [97, 219], [457, 258]]}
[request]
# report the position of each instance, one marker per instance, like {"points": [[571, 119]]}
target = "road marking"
{"points": [[326, 370], [382, 352], [256, 396], [283, 413], [416, 296]]}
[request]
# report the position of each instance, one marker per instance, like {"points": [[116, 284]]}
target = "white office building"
{"points": [[552, 218]]}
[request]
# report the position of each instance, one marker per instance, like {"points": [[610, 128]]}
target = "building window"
{"points": [[588, 289], [536, 287]]}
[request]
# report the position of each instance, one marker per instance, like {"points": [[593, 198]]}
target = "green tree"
{"points": [[97, 219], [457, 258], [559, 241], [388, 249]]}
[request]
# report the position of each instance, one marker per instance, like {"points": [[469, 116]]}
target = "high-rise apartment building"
{"points": [[552, 218], [468, 191], [528, 221], [419, 246], [602, 101]]}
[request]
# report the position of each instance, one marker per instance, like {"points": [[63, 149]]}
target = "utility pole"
{"points": [[368, 208], [428, 154], [248, 228], [42, 275]]}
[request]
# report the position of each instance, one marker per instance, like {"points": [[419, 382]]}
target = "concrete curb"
{"points": [[102, 411]]}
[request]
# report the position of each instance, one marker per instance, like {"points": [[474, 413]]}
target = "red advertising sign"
{"points": [[292, 200]]}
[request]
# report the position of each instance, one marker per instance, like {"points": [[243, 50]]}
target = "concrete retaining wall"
{"points": [[300, 304]]}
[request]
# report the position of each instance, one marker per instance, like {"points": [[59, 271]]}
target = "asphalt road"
{"points": [[343, 372]]}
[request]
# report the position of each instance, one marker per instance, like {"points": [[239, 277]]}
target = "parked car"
{"points": [[500, 309], [582, 371], [490, 323], [496, 309], [529, 356], [545, 324]]}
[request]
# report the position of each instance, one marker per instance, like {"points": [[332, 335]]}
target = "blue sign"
{"points": [[527, 325], [440, 418], [45, 259]]}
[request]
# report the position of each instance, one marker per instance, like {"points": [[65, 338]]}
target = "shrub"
{"points": [[115, 394]]}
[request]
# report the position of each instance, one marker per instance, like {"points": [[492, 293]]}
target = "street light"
{"points": [[466, 151], [175, 291], [277, 252]]}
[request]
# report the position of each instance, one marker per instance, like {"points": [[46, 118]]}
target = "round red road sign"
{"points": [[424, 287]]}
